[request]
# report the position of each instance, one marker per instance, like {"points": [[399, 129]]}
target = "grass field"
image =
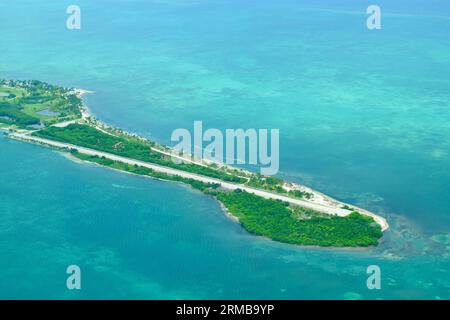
{"points": [[23, 104]]}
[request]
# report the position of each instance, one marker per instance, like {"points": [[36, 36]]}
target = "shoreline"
{"points": [[319, 197], [334, 210], [85, 111], [225, 211], [292, 194]]}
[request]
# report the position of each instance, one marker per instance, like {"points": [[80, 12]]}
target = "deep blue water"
{"points": [[364, 116]]}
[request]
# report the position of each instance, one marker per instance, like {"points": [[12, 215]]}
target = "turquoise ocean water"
{"points": [[364, 116]]}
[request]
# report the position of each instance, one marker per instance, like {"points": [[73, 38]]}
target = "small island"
{"points": [[271, 207]]}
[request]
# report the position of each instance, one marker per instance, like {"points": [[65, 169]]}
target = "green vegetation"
{"points": [[30, 103], [89, 137], [278, 221], [131, 147], [300, 194], [145, 171], [275, 185]]}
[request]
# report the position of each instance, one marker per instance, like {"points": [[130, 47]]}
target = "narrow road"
{"points": [[332, 210]]}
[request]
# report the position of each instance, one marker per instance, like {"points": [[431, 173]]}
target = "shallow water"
{"points": [[363, 117]]}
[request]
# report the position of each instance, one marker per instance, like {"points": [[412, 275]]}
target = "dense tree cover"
{"points": [[275, 220], [145, 171], [87, 136], [12, 115]]}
